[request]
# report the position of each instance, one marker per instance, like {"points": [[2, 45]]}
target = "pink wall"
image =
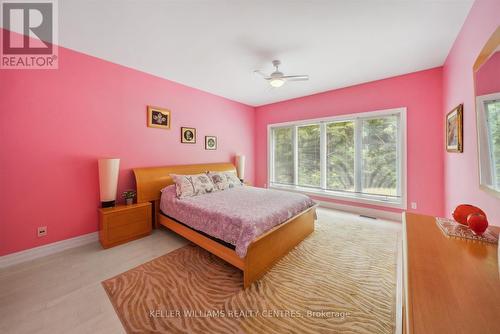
{"points": [[420, 93], [55, 124], [461, 170], [488, 76]]}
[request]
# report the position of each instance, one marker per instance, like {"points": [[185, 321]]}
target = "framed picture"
{"points": [[454, 130], [188, 135], [158, 118], [210, 142]]}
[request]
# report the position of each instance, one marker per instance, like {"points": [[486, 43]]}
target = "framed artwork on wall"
{"points": [[454, 130], [210, 142], [158, 118], [188, 135]]}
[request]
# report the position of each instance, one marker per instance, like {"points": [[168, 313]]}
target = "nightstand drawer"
{"points": [[135, 216], [124, 223], [128, 224]]}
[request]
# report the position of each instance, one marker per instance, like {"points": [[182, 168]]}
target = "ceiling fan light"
{"points": [[276, 82]]}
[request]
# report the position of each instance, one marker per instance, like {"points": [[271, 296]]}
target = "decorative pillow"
{"points": [[233, 179], [224, 180], [219, 180], [192, 185]]}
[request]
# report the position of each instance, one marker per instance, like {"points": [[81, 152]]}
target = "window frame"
{"points": [[486, 160], [379, 200]]}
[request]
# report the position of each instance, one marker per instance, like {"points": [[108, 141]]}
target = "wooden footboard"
{"points": [[269, 248], [262, 253], [225, 253]]}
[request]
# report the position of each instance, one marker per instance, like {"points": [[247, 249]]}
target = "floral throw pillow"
{"points": [[224, 180], [192, 185], [233, 179], [219, 180]]}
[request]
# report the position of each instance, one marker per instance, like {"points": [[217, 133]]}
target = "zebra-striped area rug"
{"points": [[341, 279]]}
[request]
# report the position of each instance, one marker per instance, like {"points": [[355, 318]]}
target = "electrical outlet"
{"points": [[42, 231], [414, 205]]}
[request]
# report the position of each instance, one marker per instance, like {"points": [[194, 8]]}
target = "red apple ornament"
{"points": [[477, 223], [463, 211]]}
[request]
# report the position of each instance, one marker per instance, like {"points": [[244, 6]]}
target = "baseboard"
{"points": [[388, 215], [55, 247]]}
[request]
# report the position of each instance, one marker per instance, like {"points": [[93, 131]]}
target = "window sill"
{"points": [[356, 198]]}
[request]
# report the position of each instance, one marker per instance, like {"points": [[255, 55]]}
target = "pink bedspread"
{"points": [[236, 215]]}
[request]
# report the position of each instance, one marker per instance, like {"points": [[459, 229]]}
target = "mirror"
{"points": [[487, 91]]}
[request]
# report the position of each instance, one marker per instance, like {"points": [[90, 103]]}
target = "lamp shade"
{"points": [[108, 181], [240, 166]]}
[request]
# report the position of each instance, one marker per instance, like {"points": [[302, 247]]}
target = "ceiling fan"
{"points": [[278, 79]]}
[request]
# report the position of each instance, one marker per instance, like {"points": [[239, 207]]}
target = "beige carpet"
{"points": [[341, 279]]}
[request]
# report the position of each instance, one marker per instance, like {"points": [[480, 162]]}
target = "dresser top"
{"points": [[453, 285], [123, 207]]}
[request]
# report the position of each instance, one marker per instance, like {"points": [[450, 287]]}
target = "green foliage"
{"points": [[493, 118], [128, 194], [340, 156], [283, 152], [379, 155], [309, 155]]}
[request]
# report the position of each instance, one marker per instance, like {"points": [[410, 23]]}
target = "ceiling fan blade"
{"points": [[296, 77], [262, 74]]}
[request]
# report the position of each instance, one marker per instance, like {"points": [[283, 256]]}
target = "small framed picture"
{"points": [[188, 135], [158, 118], [210, 142], [454, 130]]}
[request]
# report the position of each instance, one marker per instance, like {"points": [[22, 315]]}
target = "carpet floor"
{"points": [[341, 279]]}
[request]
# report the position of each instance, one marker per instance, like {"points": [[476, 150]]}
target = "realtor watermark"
{"points": [[29, 34], [266, 313]]}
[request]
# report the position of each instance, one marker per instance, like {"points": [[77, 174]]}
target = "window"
{"points": [[308, 153], [493, 120], [340, 156], [379, 155], [358, 157], [489, 140], [284, 168]]}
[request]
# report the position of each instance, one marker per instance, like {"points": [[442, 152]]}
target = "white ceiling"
{"points": [[215, 45]]}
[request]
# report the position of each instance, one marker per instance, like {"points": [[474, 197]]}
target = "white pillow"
{"points": [[192, 185]]}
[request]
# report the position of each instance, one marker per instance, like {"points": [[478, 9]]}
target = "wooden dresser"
{"points": [[450, 285], [123, 223]]}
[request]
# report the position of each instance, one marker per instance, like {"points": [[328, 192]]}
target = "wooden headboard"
{"points": [[151, 180]]}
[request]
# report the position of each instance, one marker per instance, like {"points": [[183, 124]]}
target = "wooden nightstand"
{"points": [[124, 223]]}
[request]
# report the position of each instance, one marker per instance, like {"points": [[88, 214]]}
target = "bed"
{"points": [[254, 257]]}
